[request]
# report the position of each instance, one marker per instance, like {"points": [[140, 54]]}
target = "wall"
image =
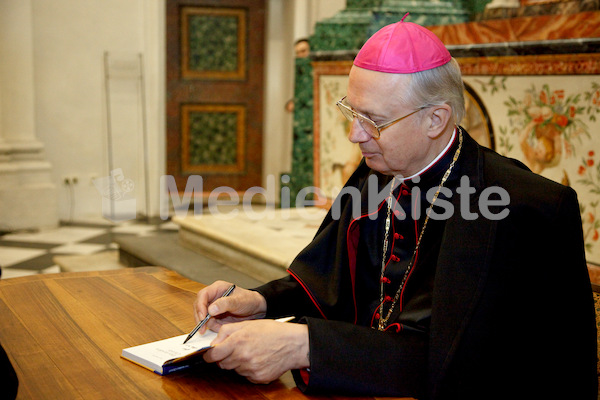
{"points": [[70, 38], [25, 183]]}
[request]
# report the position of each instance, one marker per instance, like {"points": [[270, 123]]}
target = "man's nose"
{"points": [[357, 133]]}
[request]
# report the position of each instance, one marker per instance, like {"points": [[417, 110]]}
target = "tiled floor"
{"points": [[29, 253]]}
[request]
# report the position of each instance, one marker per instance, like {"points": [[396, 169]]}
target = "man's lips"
{"points": [[367, 153]]}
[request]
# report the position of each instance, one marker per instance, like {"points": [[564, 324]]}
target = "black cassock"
{"points": [[492, 308]]}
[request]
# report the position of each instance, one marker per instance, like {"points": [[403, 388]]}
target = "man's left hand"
{"points": [[260, 350]]}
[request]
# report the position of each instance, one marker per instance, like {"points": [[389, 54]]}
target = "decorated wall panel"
{"points": [[213, 138], [550, 123], [543, 111], [213, 43], [214, 82]]}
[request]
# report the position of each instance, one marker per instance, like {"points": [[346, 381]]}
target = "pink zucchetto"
{"points": [[402, 48]]}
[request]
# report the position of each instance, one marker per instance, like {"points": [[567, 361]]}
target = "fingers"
{"points": [[231, 354], [218, 353], [260, 350], [207, 296], [242, 303], [234, 304], [220, 350]]}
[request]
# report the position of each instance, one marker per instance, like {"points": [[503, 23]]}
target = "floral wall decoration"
{"points": [[550, 123], [338, 157]]}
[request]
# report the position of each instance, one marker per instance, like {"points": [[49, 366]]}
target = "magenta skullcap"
{"points": [[402, 48]]}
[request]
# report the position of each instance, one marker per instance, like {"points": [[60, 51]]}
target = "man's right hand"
{"points": [[241, 304]]}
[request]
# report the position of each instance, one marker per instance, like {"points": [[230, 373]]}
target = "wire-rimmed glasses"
{"points": [[365, 122]]}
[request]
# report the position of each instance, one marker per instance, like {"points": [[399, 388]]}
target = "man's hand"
{"points": [[260, 350], [241, 305]]}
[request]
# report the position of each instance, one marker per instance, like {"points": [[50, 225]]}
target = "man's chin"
{"points": [[375, 164], [372, 162]]}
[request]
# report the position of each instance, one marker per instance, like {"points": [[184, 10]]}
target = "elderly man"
{"points": [[462, 276]]}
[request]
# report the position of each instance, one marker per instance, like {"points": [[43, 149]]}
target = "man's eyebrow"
{"points": [[369, 114]]}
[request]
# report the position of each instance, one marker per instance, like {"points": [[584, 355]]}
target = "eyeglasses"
{"points": [[367, 123]]}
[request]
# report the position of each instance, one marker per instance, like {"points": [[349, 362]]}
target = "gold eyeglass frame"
{"points": [[350, 114]]}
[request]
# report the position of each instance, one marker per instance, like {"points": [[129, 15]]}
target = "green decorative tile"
{"points": [[213, 43], [213, 138]]}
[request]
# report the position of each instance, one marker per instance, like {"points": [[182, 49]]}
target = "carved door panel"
{"points": [[215, 53]]}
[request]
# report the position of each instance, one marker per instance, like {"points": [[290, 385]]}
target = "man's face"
{"points": [[302, 49], [403, 148]]}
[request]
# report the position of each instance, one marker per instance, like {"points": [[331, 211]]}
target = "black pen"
{"points": [[205, 320]]}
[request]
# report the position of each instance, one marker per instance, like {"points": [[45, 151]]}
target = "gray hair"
{"points": [[441, 85]]}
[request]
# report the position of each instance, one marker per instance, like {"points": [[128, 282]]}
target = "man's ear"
{"points": [[440, 117]]}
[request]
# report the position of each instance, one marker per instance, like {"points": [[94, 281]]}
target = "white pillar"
{"points": [[302, 21], [28, 199], [155, 64]]}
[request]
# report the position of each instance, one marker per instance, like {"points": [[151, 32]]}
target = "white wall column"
{"points": [[155, 66], [288, 21], [28, 199]]}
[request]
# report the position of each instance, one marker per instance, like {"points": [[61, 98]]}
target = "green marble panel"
{"points": [[213, 138], [339, 36], [213, 43], [362, 3], [350, 28], [302, 154]]}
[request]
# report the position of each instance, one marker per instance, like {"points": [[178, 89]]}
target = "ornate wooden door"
{"points": [[215, 54]]}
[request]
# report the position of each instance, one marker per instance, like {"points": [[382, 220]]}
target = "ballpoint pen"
{"points": [[205, 320]]}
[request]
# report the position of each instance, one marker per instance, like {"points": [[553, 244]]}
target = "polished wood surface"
{"points": [[64, 334]]}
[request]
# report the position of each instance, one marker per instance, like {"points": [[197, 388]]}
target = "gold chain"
{"points": [[382, 320]]}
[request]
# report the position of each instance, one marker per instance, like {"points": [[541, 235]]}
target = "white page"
{"points": [[155, 355]]}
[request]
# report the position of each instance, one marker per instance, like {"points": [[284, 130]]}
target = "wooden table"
{"points": [[64, 334]]}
